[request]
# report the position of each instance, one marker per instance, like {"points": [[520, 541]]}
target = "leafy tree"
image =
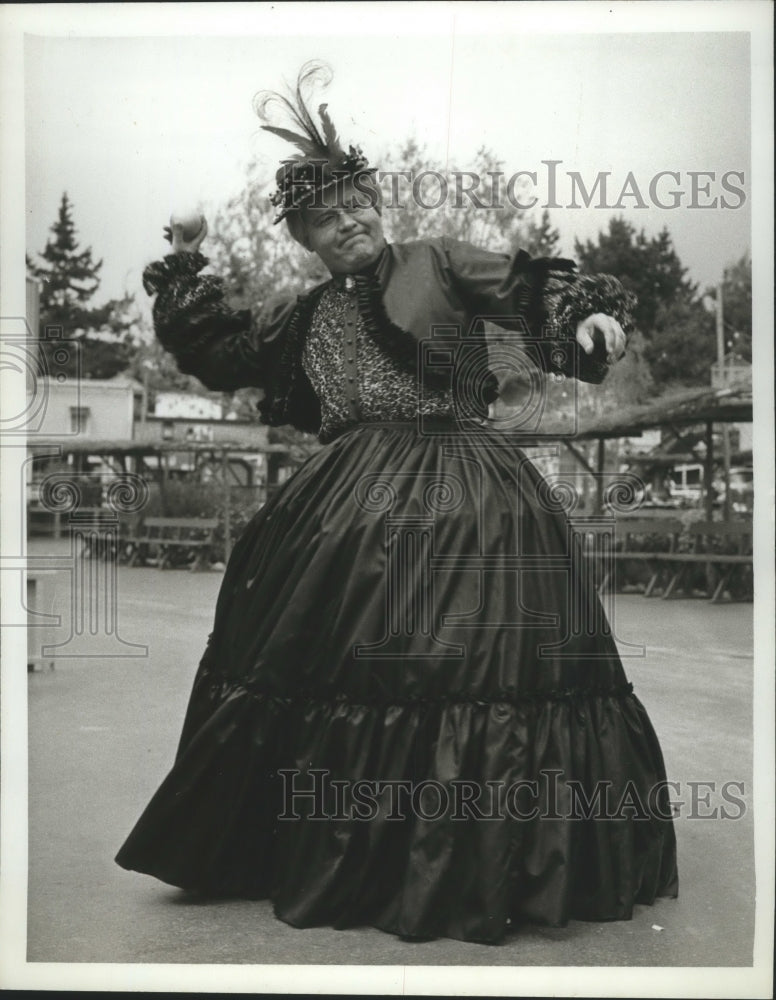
{"points": [[470, 204], [68, 278]]}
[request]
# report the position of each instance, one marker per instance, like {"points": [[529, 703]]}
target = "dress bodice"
{"points": [[354, 379]]}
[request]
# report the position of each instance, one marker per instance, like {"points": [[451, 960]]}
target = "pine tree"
{"points": [[69, 277], [678, 330]]}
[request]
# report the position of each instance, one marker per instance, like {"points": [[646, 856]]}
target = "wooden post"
{"points": [[163, 473], [144, 399], [720, 335], [726, 463], [708, 470]]}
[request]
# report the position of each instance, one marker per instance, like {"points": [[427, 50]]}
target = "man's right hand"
{"points": [[174, 234]]}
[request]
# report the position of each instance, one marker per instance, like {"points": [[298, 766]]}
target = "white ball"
{"points": [[191, 223]]}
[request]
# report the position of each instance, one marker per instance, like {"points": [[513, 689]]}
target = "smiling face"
{"points": [[343, 229]]}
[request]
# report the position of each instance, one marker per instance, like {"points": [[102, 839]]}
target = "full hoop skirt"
{"points": [[408, 608]]}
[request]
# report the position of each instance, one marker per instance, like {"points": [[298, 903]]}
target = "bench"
{"points": [[168, 541], [723, 547], [646, 540]]}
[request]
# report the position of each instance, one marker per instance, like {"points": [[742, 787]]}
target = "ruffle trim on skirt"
{"points": [[430, 817], [220, 688]]}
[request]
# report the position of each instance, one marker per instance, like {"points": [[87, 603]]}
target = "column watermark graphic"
{"points": [[94, 562], [83, 508]]}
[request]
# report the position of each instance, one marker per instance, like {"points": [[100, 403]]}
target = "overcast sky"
{"points": [[133, 127]]}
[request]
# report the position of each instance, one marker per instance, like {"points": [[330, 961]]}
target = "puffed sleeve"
{"points": [[224, 348], [542, 297]]}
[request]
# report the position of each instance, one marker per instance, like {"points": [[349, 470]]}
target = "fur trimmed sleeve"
{"points": [[573, 303], [224, 348]]}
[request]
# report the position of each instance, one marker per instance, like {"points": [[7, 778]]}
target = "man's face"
{"points": [[343, 230]]}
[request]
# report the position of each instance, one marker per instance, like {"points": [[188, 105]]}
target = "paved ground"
{"points": [[103, 733]]}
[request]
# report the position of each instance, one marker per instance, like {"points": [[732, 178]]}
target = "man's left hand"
{"points": [[613, 336]]}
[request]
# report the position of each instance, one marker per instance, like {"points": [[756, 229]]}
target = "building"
{"points": [[90, 408], [156, 429], [186, 405]]}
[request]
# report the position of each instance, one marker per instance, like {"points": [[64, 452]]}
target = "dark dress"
{"points": [[406, 631]]}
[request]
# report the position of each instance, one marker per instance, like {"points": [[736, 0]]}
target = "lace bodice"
{"points": [[335, 352]]}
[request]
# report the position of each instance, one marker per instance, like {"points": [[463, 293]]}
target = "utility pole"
{"points": [[723, 380]]}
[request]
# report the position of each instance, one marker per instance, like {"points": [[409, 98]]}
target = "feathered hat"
{"points": [[322, 160]]}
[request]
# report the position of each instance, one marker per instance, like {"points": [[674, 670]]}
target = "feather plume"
{"points": [[330, 134], [321, 155], [307, 147], [294, 104]]}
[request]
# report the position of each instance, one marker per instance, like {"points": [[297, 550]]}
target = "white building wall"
{"points": [[105, 410]]}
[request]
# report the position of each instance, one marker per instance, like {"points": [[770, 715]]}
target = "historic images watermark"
{"points": [[551, 186], [316, 795], [564, 189]]}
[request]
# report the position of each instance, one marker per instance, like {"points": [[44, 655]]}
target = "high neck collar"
{"points": [[347, 281]]}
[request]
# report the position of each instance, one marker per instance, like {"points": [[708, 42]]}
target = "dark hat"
{"points": [[322, 161], [300, 181]]}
